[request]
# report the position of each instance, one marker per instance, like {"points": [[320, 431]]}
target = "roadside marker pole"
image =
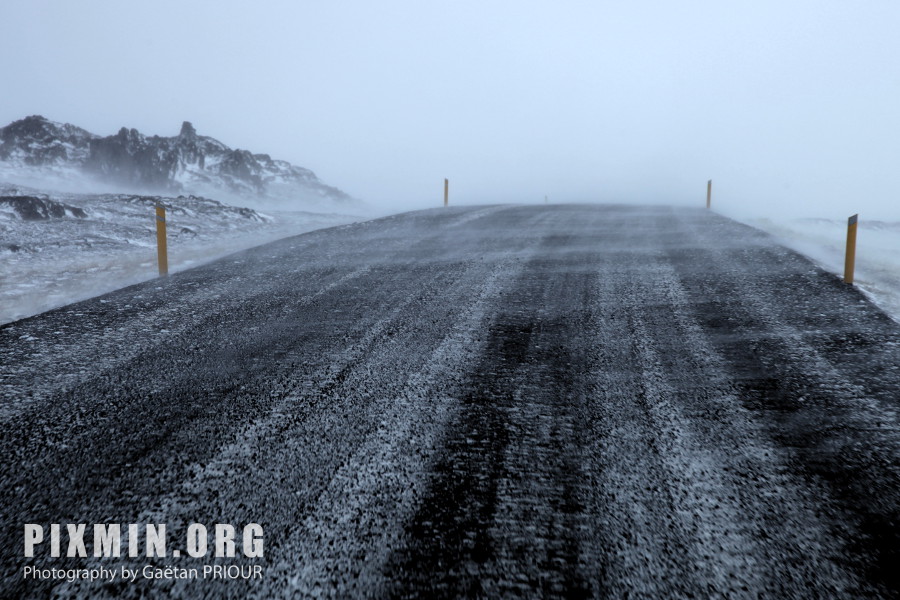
{"points": [[850, 259], [161, 252], [446, 192], [708, 193]]}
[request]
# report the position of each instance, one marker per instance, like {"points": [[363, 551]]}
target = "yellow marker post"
{"points": [[446, 192], [708, 193], [850, 258], [161, 252]]}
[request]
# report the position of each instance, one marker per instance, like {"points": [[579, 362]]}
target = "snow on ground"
{"points": [[51, 262], [46, 264], [824, 240]]}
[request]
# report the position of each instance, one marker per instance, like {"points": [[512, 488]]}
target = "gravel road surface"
{"points": [[572, 401]]}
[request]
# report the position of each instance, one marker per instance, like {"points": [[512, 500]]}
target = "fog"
{"points": [[791, 108]]}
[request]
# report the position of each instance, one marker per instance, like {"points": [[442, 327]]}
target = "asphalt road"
{"points": [[544, 401]]}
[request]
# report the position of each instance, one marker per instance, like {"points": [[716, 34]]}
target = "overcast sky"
{"points": [[786, 105]]}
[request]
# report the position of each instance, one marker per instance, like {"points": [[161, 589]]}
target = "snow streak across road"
{"points": [[557, 401]]}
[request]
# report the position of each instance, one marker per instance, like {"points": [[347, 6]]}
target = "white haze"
{"points": [[789, 107]]}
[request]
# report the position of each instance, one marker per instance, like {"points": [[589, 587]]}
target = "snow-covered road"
{"points": [[505, 401]]}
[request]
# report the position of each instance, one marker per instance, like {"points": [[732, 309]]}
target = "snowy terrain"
{"points": [[77, 209], [58, 248], [824, 240]]}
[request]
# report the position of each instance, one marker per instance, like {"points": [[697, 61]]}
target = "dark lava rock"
{"points": [[154, 162], [32, 208]]}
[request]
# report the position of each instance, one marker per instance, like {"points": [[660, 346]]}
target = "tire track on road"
{"points": [[840, 434], [720, 492], [502, 512]]}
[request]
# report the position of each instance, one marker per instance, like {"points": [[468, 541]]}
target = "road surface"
{"points": [[504, 401]]}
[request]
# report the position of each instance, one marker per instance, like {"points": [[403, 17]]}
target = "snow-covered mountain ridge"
{"points": [[186, 163]]}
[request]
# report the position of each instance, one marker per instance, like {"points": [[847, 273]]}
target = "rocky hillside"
{"points": [[187, 162]]}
